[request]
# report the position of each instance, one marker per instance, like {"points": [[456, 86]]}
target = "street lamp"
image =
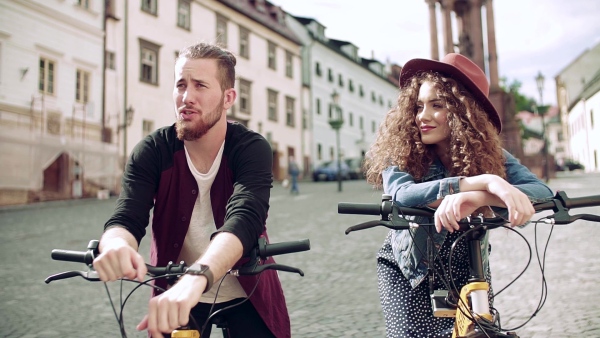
{"points": [[336, 123], [539, 79]]}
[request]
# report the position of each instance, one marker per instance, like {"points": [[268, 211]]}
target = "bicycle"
{"points": [[253, 266], [469, 305]]}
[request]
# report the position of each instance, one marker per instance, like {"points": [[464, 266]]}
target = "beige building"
{"points": [[51, 104]]}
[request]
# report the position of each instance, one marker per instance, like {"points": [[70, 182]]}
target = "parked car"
{"points": [[328, 171], [573, 165], [355, 168]]}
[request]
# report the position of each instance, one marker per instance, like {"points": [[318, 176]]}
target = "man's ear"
{"points": [[229, 97]]}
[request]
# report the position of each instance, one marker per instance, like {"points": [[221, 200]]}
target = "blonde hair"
{"points": [[475, 145]]}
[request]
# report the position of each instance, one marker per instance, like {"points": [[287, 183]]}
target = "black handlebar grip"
{"points": [[72, 256], [359, 208], [284, 248]]}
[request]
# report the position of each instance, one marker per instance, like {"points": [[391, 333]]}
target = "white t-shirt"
{"points": [[202, 225]]}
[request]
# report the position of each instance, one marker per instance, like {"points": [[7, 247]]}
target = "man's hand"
{"points": [[171, 309], [118, 258]]}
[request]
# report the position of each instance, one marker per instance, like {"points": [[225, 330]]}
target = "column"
{"points": [[435, 54], [491, 42], [476, 33], [447, 22]]}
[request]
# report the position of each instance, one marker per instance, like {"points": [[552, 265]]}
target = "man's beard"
{"points": [[191, 131]]}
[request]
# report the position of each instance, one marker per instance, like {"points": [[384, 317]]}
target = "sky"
{"points": [[531, 35]]}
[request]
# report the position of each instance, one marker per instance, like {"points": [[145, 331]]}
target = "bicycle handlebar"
{"points": [[261, 252], [391, 214]]}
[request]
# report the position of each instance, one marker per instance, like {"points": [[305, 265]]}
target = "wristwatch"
{"points": [[198, 269]]}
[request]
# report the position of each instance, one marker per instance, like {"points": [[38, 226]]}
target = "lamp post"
{"points": [[539, 79], [336, 123], [126, 123]]}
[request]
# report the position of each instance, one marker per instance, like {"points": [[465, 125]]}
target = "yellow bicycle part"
{"points": [[463, 323], [185, 333]]}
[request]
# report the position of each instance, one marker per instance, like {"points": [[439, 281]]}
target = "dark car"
{"points": [[573, 165], [327, 171], [355, 168]]}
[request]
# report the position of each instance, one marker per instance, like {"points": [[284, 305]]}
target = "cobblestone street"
{"points": [[337, 297]]}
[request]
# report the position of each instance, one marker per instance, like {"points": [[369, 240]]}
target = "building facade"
{"points": [[51, 101], [267, 71], [578, 98], [333, 70]]}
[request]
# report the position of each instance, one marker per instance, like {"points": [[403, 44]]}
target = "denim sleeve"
{"points": [[523, 179], [403, 189]]}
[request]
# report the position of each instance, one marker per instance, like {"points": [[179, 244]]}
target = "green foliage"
{"points": [[521, 101]]}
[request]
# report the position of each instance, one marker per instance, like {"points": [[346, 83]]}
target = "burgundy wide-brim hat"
{"points": [[461, 69]]}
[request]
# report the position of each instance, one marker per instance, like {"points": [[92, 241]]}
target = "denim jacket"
{"points": [[410, 250]]}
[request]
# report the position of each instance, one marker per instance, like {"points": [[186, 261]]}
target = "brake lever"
{"points": [[91, 276], [256, 269]]}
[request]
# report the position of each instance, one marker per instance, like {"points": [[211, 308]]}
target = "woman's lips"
{"points": [[426, 128]]}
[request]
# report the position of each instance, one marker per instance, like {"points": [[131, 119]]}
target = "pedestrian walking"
{"points": [[294, 172]]}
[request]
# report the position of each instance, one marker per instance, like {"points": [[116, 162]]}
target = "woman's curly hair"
{"points": [[475, 145]]}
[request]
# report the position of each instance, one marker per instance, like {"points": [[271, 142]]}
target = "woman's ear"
{"points": [[229, 97]]}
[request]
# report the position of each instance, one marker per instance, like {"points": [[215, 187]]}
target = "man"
{"points": [[209, 183]]}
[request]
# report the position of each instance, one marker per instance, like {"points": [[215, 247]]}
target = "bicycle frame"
{"points": [[471, 310]]}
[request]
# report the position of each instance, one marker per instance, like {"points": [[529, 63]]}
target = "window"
{"points": [[319, 151], [361, 125], [373, 97], [245, 90], [592, 118], [82, 86], [271, 62], [330, 75], [244, 42], [110, 60], [290, 115], [318, 106], [183, 14], [351, 86], [318, 69], [373, 127], [351, 119], [340, 80], [46, 80], [221, 31], [147, 127], [361, 92], [149, 62], [83, 3], [272, 101], [149, 6], [289, 66]]}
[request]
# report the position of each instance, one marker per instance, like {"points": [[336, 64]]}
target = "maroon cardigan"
{"points": [[157, 176]]}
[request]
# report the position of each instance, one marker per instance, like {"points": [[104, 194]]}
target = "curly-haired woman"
{"points": [[441, 148]]}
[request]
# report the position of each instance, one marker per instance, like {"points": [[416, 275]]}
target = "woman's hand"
{"points": [[456, 207], [520, 209]]}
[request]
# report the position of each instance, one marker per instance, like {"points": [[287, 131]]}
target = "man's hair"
{"points": [[225, 60]]}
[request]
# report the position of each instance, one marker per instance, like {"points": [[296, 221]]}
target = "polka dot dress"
{"points": [[408, 311]]}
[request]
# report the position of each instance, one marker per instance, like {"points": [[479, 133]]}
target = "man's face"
{"points": [[199, 100]]}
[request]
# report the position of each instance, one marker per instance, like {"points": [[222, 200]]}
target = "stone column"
{"points": [[447, 22], [435, 54], [491, 42], [476, 33]]}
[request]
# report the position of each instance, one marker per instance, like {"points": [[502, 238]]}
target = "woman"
{"points": [[440, 147]]}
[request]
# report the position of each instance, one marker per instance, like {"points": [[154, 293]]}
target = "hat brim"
{"points": [[416, 66]]}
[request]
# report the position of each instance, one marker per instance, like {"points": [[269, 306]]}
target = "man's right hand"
{"points": [[119, 259]]}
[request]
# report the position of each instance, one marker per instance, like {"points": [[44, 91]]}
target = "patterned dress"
{"points": [[408, 312]]}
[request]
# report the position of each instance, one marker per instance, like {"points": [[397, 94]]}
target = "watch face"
{"points": [[196, 269]]}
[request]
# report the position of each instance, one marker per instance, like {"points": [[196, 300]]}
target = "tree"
{"points": [[523, 103]]}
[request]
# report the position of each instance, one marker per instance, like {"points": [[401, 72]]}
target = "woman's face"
{"points": [[432, 116]]}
